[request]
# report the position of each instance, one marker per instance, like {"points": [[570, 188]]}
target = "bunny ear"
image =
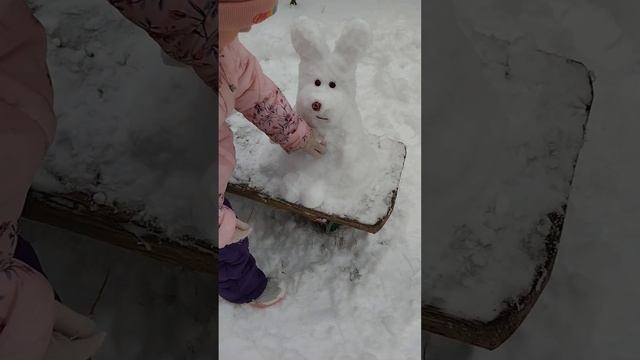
{"points": [[308, 40], [354, 40]]}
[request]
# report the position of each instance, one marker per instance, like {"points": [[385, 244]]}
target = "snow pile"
{"points": [[359, 172]]}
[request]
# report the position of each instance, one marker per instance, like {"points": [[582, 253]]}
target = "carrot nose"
{"points": [[316, 106]]}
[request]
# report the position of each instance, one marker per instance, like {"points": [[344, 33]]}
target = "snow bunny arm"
{"points": [[186, 30], [264, 104], [27, 124]]}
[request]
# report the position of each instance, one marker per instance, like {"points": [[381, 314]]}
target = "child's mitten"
{"points": [[316, 145], [62, 347], [74, 335], [70, 323], [242, 230]]}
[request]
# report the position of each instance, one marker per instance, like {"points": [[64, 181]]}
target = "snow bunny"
{"points": [[327, 101], [326, 79]]}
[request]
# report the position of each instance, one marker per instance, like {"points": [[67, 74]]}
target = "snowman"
{"points": [[326, 99]]}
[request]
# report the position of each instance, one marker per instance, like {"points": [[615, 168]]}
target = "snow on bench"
{"points": [[133, 141], [373, 212], [496, 198]]}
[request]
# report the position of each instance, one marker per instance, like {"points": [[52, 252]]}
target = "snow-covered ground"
{"points": [[588, 310]]}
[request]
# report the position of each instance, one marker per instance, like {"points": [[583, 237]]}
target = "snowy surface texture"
{"points": [[589, 308], [497, 167], [359, 173]]}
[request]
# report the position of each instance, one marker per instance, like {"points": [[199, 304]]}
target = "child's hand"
{"points": [[62, 347], [316, 146], [242, 230], [71, 323], [75, 336]]}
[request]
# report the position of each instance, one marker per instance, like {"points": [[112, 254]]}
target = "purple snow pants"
{"points": [[239, 278]]}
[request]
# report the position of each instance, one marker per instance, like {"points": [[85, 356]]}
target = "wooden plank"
{"points": [[78, 213], [256, 194]]}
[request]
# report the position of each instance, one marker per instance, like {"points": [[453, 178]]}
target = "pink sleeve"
{"points": [[266, 106], [187, 30], [27, 124], [226, 164]]}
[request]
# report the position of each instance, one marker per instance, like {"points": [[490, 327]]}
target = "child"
{"points": [[244, 87], [33, 324]]}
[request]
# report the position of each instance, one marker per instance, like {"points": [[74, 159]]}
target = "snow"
{"points": [[588, 309], [131, 128], [351, 295], [497, 168]]}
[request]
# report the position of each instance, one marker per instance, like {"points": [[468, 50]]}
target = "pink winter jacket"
{"points": [[186, 30], [245, 88], [27, 126]]}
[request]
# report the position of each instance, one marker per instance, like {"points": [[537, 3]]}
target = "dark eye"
{"points": [[318, 82], [332, 84]]}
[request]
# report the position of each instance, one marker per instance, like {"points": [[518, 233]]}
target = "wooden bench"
{"points": [[254, 193], [492, 333]]}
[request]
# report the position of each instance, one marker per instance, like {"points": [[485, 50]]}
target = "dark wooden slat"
{"points": [[76, 212]]}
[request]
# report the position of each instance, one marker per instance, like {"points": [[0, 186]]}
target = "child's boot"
{"points": [[272, 294]]}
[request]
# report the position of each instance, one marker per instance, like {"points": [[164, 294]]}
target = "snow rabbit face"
{"points": [[326, 83]]}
